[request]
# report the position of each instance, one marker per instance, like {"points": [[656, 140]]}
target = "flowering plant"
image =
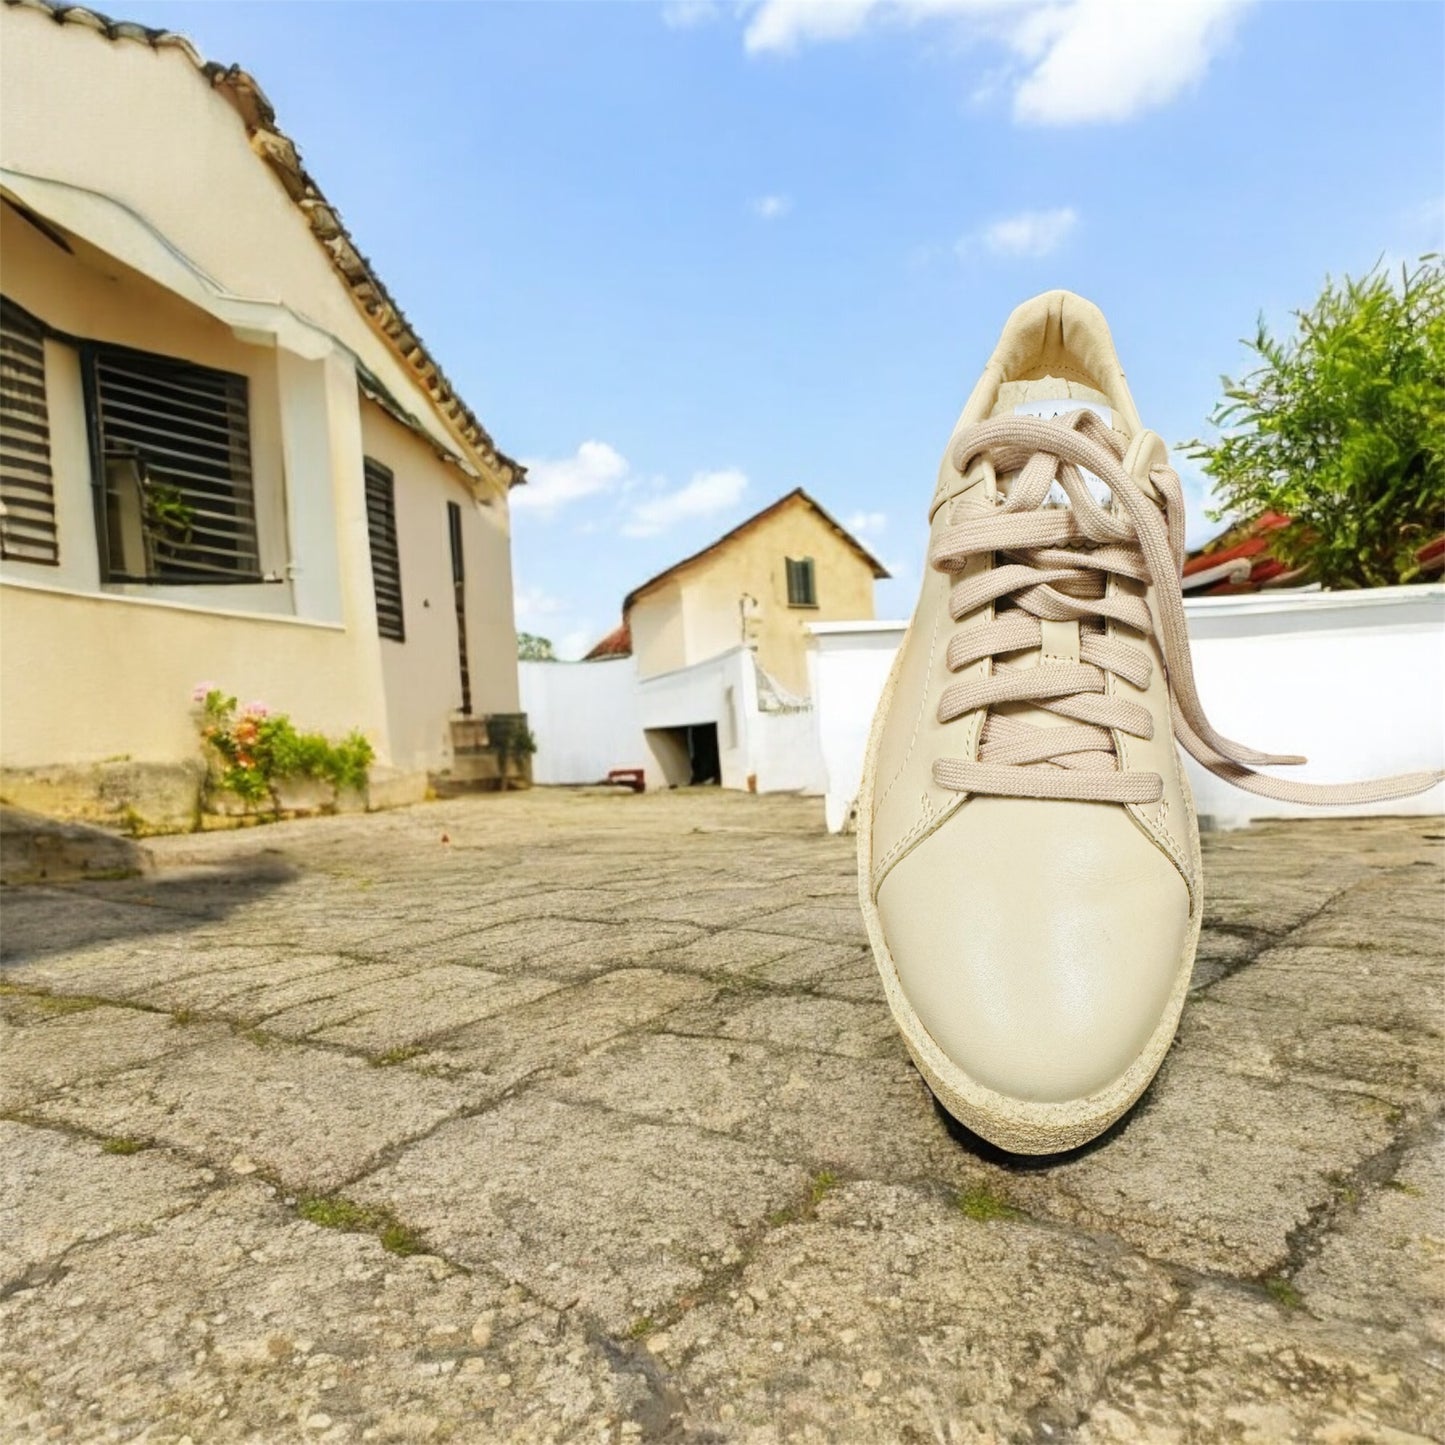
{"points": [[253, 748]]}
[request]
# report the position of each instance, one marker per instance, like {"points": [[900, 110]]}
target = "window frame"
{"points": [[241, 527], [801, 576]]}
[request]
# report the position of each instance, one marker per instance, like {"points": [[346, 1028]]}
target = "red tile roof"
{"points": [[1240, 560], [617, 643]]}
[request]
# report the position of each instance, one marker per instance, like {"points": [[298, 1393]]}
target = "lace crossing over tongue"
{"points": [[1054, 565]]}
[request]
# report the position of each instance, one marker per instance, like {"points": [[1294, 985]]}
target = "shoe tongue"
{"points": [[1055, 347]]}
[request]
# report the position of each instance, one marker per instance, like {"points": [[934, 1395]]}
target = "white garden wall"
{"points": [[592, 717], [584, 717], [1353, 680]]}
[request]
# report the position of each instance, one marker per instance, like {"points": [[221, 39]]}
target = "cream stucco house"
{"points": [[759, 585], [226, 455]]}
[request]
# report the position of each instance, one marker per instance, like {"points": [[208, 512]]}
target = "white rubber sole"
{"points": [[1021, 1126]]}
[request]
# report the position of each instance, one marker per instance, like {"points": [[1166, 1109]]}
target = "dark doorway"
{"points": [[703, 754]]}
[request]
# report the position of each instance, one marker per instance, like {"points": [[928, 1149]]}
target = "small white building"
{"points": [[226, 454]]}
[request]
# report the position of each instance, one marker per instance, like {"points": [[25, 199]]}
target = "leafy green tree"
{"points": [[531, 648], [1342, 427]]}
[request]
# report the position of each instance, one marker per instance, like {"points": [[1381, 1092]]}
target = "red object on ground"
{"points": [[628, 778]]}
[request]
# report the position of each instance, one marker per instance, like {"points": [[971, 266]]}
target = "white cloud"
{"points": [[555, 483], [533, 606], [786, 24], [704, 496], [1071, 62], [770, 208], [867, 524], [576, 643], [688, 14], [1029, 233], [1110, 60]]}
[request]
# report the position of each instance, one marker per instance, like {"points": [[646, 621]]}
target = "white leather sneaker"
{"points": [[1028, 855]]}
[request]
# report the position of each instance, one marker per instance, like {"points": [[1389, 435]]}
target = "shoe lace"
{"points": [[1054, 564]]}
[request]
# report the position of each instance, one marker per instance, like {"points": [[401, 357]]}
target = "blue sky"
{"points": [[682, 258]]}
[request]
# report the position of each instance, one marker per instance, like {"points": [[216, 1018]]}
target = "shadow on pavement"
{"points": [[43, 918]]}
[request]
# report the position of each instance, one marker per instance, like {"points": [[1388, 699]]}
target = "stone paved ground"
{"points": [[569, 1117]]}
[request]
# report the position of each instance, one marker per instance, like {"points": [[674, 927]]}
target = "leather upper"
{"points": [[1038, 941]]}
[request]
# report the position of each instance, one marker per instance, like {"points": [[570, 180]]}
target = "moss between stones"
{"points": [[1283, 1293], [393, 1056], [822, 1184], [332, 1211], [979, 1202], [52, 1003], [123, 1144]]}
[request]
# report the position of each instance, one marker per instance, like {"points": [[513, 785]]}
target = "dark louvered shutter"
{"points": [[27, 487], [385, 555], [801, 589], [185, 430]]}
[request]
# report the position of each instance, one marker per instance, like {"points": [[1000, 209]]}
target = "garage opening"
{"points": [[687, 756]]}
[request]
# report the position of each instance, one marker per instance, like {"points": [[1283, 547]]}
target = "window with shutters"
{"points": [[385, 555], [801, 589], [172, 444], [27, 487]]}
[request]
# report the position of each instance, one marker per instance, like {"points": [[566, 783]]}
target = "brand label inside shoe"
{"points": [[1062, 406]]}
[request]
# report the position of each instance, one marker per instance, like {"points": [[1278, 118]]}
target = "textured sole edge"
{"points": [[1019, 1126]]}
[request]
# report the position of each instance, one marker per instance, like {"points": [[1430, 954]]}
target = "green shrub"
{"points": [[1342, 428], [253, 749]]}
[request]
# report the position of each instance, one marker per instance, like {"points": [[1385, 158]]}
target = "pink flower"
{"points": [[202, 691], [256, 709]]}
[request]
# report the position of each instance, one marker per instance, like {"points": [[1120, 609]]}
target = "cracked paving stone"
{"points": [[1333, 1017], [401, 1010], [826, 1025], [836, 970], [237, 1321], [567, 948], [47, 1042], [1381, 1269], [732, 951], [250, 993], [892, 1316], [128, 970], [488, 1058], [584, 1207], [308, 1116], [631, 1155], [861, 1116], [57, 1191], [1233, 1367], [1215, 1170]]}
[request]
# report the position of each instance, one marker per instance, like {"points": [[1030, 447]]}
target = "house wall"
{"points": [[87, 678], [155, 135], [422, 675], [707, 595], [1280, 670], [659, 642], [220, 268]]}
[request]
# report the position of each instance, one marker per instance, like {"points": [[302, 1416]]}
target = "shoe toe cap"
{"points": [[1039, 943]]}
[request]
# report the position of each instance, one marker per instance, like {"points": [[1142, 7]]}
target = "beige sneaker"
{"points": [[1028, 855]]}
